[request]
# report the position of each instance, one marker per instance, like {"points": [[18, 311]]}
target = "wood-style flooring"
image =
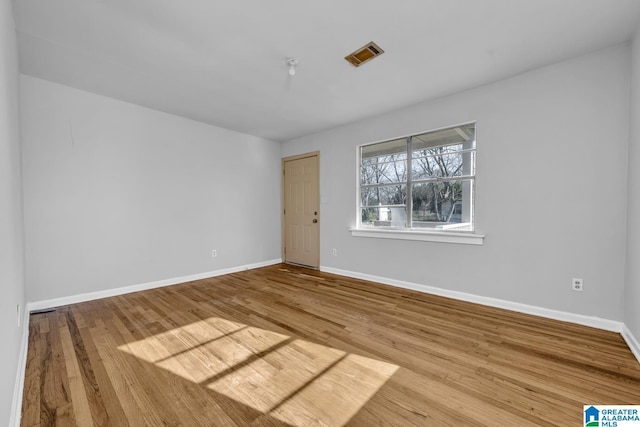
{"points": [[286, 346]]}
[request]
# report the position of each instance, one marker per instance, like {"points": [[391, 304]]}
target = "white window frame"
{"points": [[443, 235]]}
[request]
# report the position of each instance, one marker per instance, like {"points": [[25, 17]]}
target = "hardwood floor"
{"points": [[286, 346]]}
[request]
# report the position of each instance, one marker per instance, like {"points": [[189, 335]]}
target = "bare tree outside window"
{"points": [[421, 181]]}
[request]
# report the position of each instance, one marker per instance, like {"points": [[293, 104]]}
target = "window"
{"points": [[422, 182]]}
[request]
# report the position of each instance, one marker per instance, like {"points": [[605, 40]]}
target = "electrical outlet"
{"points": [[334, 252], [576, 284], [214, 253]]}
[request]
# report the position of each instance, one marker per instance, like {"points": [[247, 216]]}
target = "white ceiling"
{"points": [[223, 62]]}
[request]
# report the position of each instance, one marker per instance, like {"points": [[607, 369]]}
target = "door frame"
{"points": [[282, 201]]}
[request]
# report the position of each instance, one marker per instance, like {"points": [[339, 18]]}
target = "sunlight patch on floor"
{"points": [[178, 340], [266, 382], [338, 394], [296, 381]]}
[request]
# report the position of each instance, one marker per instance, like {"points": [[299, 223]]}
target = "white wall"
{"points": [[551, 189], [632, 286], [118, 195], [12, 289]]}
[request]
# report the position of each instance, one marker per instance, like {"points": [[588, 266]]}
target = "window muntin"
{"points": [[420, 182]]}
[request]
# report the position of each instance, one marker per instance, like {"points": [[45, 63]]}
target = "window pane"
{"points": [[440, 163], [384, 169], [383, 195], [442, 204], [464, 134], [421, 152], [381, 149], [394, 216]]}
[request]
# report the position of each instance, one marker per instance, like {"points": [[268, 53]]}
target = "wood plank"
{"points": [[106, 409], [79, 398], [64, 405], [32, 382]]}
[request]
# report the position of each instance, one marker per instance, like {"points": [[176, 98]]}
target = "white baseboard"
{"points": [[18, 389], [595, 322], [632, 341], [74, 299]]}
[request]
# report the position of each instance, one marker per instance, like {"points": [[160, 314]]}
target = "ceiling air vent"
{"points": [[364, 54]]}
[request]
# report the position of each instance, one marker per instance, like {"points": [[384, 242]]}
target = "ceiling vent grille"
{"points": [[365, 54]]}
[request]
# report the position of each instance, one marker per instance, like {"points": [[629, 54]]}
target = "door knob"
{"points": [[315, 220]]}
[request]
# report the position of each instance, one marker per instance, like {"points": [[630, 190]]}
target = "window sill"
{"points": [[458, 237]]}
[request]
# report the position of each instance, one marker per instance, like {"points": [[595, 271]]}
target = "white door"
{"points": [[301, 211]]}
